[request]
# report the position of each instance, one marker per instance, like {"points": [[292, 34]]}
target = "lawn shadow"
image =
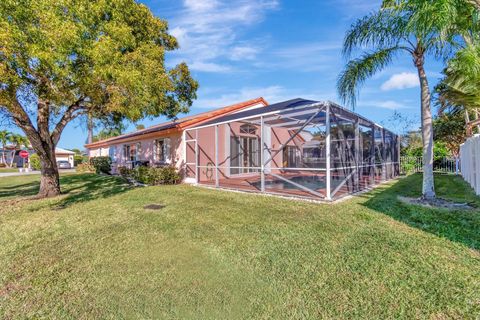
{"points": [[88, 187], [75, 188], [24, 190], [456, 225]]}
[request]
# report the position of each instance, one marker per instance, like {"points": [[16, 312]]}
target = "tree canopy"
{"points": [[60, 59]]}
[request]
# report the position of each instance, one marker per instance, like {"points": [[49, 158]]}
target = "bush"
{"points": [[170, 175], [125, 172], [78, 159], [85, 167], [35, 162], [156, 176], [2, 165], [101, 164]]}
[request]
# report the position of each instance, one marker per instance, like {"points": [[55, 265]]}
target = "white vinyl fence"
{"points": [[470, 157]]}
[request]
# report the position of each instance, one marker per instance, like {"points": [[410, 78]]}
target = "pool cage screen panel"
{"points": [[318, 151]]}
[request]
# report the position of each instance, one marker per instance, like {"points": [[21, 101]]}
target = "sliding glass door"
{"points": [[244, 155]]}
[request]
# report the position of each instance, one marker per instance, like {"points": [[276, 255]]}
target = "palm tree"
{"points": [[416, 27], [460, 87], [4, 138], [18, 140]]}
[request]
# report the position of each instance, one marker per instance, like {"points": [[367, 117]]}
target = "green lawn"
{"points": [[95, 252], [8, 170]]}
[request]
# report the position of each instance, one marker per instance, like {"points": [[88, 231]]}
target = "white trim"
{"points": [[278, 112]]}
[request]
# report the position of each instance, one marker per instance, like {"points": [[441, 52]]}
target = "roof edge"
{"points": [[202, 117]]}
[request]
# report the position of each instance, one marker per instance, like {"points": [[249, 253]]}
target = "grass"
{"points": [[8, 170], [95, 252]]}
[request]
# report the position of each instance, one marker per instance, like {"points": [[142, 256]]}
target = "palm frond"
{"points": [[382, 29], [359, 70], [460, 88]]}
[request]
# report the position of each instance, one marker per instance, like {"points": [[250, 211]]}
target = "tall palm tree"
{"points": [[416, 27], [4, 138]]}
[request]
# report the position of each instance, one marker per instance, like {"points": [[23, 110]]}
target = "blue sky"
{"points": [[278, 49]]}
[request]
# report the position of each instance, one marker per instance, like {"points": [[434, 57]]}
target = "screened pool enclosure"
{"points": [[300, 148]]}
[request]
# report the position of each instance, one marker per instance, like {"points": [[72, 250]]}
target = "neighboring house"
{"points": [[64, 155], [12, 151], [162, 144]]}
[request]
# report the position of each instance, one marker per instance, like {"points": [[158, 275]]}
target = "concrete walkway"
{"points": [[15, 174]]}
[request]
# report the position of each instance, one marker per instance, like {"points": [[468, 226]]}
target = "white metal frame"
{"points": [[314, 110]]}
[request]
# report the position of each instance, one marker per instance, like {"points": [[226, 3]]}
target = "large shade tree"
{"points": [[62, 59], [417, 28]]}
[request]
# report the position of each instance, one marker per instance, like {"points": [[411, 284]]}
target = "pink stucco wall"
{"points": [[146, 152], [206, 150]]}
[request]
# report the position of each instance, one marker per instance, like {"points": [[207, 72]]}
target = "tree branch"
{"points": [[43, 119], [22, 120], [68, 116]]}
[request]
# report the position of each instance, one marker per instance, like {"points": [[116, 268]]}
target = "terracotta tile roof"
{"points": [[177, 125]]}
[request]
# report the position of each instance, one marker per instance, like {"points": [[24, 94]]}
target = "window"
{"points": [[162, 150], [130, 152], [248, 129], [112, 153]]}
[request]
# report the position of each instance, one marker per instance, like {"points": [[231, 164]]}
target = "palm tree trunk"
{"points": [[89, 129], [13, 156], [428, 188], [4, 159]]}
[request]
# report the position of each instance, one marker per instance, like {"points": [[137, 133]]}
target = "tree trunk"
{"points": [[43, 141], [89, 129], [50, 179], [13, 156], [4, 159], [428, 188]]}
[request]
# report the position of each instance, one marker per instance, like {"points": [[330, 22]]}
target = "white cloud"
{"points": [[244, 53], [209, 67], [272, 94], [303, 57], [200, 5], [208, 31], [400, 81], [384, 104]]}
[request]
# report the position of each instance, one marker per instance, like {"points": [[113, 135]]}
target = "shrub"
{"points": [[101, 164], [170, 175], [141, 174], [156, 176], [85, 167], [125, 172], [78, 159], [2, 165], [35, 162]]}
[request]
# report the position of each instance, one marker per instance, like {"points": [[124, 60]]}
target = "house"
{"points": [[161, 144], [12, 153], [64, 155], [302, 148]]}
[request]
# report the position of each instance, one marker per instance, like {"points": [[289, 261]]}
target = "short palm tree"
{"points": [[416, 27], [18, 140], [4, 138], [460, 88]]}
